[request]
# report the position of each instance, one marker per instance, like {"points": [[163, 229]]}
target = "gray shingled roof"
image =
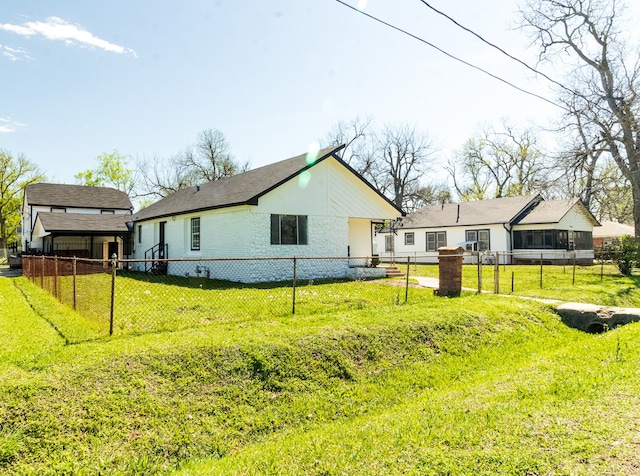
{"points": [[77, 196], [86, 223], [242, 189], [482, 212], [610, 229], [552, 211]]}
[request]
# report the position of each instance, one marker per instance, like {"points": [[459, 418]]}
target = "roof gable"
{"points": [[75, 196], [242, 189], [553, 211]]}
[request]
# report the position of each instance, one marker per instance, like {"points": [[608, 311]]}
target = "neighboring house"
{"points": [[75, 220], [610, 232], [299, 207], [522, 228]]}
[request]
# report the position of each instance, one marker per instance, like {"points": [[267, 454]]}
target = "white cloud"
{"points": [[7, 125], [55, 28], [14, 54]]}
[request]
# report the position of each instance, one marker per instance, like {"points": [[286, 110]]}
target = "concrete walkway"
{"points": [[433, 283], [6, 272]]}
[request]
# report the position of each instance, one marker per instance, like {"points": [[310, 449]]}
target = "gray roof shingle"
{"points": [[86, 223], [76, 196], [482, 212], [242, 189]]}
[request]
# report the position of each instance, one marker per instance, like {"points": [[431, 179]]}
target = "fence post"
{"points": [[42, 273], [406, 286], [573, 279], [496, 275], [55, 278], [293, 309], [513, 277], [541, 258], [479, 273], [75, 285], [114, 263]]}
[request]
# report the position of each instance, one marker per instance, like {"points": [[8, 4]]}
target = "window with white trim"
{"points": [[195, 233], [436, 239], [481, 239], [409, 239]]}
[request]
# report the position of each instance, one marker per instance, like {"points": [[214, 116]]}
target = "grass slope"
{"points": [[473, 385]]}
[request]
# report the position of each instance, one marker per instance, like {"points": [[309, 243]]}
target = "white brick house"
{"points": [[299, 207], [523, 229]]}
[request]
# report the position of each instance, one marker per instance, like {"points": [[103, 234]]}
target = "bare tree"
{"points": [[207, 160], [433, 194], [498, 164], [605, 72], [210, 158], [393, 159], [357, 136], [403, 156]]}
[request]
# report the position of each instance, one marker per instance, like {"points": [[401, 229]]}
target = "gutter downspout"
{"points": [[509, 230]]}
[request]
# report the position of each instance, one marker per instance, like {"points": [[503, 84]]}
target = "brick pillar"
{"points": [[450, 268]]}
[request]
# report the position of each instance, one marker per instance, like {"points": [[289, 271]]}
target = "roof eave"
{"points": [[195, 210]]}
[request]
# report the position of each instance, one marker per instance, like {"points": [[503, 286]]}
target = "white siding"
{"points": [[360, 237], [499, 240], [327, 189], [339, 209]]}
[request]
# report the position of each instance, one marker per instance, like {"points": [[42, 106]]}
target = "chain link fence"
{"points": [[512, 272], [137, 296]]}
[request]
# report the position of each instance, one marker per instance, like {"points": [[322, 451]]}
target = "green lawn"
{"points": [[592, 284], [479, 384]]}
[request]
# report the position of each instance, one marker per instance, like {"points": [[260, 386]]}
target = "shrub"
{"points": [[628, 256]]}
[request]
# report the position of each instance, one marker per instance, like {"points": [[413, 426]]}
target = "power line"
{"points": [[468, 30], [466, 63]]}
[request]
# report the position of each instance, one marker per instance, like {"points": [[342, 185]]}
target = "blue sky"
{"points": [[144, 77]]}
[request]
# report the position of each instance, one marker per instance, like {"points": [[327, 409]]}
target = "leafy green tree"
{"points": [[15, 174], [112, 171]]}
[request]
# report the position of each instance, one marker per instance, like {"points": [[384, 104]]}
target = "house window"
{"points": [[552, 240], [195, 233], [107, 212], [139, 233], [583, 240], [409, 239], [481, 239], [288, 229], [436, 239], [388, 242]]}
